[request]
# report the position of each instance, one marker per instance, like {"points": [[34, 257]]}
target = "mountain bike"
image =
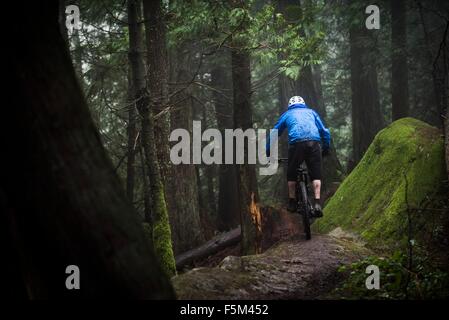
{"points": [[303, 191]]}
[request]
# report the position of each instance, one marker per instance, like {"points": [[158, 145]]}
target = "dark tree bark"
{"points": [[146, 190], [78, 56], [306, 88], [132, 140], [210, 171], [399, 68], [162, 241], [228, 209], [157, 84], [138, 93], [366, 116], [316, 73], [284, 94], [64, 205], [446, 140], [185, 210], [246, 175], [155, 31], [332, 169]]}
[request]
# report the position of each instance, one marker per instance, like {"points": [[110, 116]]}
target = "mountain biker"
{"points": [[306, 132]]}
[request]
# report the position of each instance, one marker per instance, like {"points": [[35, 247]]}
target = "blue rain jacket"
{"points": [[303, 124]]}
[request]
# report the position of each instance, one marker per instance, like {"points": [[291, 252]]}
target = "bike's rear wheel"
{"points": [[306, 210]]}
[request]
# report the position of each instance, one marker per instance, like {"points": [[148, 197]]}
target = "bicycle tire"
{"points": [[306, 210]]}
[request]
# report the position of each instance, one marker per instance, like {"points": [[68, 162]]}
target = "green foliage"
{"points": [[247, 28], [424, 281]]}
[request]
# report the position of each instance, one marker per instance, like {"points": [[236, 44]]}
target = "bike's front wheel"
{"points": [[306, 210]]}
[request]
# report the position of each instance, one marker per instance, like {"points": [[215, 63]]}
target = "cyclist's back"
{"points": [[307, 137]]}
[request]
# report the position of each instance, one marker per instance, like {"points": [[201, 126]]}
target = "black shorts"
{"points": [[308, 151]]}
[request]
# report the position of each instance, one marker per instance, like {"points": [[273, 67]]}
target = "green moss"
{"points": [[162, 235], [371, 200]]}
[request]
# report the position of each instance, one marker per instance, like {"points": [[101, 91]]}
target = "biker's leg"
{"points": [[291, 189], [292, 202], [295, 157], [317, 188], [313, 161]]}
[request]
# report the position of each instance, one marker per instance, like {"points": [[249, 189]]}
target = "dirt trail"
{"points": [[292, 269]]}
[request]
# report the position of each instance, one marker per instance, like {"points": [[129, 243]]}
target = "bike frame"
{"points": [[304, 206]]}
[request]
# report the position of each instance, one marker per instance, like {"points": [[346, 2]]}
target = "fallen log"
{"points": [[210, 247], [277, 225]]}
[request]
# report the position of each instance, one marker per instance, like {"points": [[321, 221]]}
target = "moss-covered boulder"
{"points": [[403, 168]]}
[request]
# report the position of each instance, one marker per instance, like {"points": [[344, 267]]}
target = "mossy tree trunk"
{"points": [[399, 67], [64, 205], [160, 224]]}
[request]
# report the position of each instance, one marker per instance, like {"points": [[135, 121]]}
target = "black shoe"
{"points": [[317, 210], [292, 205]]}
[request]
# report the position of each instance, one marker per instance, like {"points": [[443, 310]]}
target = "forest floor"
{"points": [[291, 269]]}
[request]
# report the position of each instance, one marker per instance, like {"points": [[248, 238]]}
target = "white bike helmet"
{"points": [[294, 100]]}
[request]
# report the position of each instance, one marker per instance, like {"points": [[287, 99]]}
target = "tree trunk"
{"points": [[316, 73], [62, 203], [132, 143], [185, 210], [366, 116], [138, 92], [399, 68], [446, 139], [78, 56], [246, 176], [332, 169], [284, 94], [228, 209], [210, 170], [306, 88], [146, 191], [158, 71], [161, 228]]}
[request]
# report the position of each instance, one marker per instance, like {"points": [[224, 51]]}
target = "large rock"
{"points": [[402, 169]]}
